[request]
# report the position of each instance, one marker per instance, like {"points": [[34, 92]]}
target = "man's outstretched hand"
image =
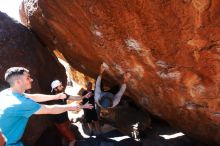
{"points": [[60, 96], [87, 106], [88, 95], [103, 67], [76, 107]]}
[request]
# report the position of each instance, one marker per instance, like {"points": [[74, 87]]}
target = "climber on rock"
{"points": [[111, 98]]}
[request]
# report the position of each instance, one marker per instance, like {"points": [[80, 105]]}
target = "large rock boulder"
{"points": [[170, 47], [19, 47]]}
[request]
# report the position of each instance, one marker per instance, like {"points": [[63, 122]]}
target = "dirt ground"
{"points": [[158, 134]]}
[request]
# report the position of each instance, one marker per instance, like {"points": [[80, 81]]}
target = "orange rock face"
{"points": [[170, 47]]}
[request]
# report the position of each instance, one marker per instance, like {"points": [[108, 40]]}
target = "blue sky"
{"points": [[11, 7]]}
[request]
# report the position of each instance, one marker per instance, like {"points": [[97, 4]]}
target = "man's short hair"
{"points": [[106, 100], [13, 72]]}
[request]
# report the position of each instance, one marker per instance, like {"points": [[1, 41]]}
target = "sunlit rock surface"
{"points": [[19, 47], [170, 47]]}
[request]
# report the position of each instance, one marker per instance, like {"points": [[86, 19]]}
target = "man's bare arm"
{"points": [[78, 97], [57, 109], [44, 97], [75, 98]]}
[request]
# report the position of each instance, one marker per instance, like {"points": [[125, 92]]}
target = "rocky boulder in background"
{"points": [[20, 47], [170, 47]]}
